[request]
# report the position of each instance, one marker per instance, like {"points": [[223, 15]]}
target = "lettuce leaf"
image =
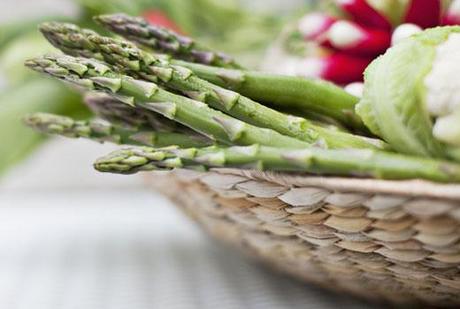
{"points": [[392, 105]]}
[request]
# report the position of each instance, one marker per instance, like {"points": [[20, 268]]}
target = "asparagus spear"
{"points": [[301, 93], [127, 162], [281, 91], [134, 61], [120, 114], [102, 131], [314, 160], [93, 75], [164, 40]]}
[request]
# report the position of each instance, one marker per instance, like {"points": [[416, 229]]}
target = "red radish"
{"points": [[365, 33], [350, 37], [338, 68], [158, 18], [314, 25], [364, 14], [452, 16], [424, 13]]}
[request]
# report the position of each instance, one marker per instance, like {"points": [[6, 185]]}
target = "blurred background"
{"points": [[74, 238]]}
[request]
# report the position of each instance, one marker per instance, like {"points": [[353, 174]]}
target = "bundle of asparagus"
{"points": [[204, 111]]}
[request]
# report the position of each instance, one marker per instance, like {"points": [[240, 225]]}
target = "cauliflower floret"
{"points": [[443, 82], [443, 91]]}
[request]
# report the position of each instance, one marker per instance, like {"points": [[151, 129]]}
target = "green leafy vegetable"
{"points": [[393, 105]]}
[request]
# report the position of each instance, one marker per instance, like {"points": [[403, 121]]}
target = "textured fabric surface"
{"points": [[71, 238]]}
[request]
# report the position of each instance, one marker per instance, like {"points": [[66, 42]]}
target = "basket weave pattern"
{"points": [[392, 241]]}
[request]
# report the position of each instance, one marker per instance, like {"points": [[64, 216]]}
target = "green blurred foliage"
{"points": [[35, 95], [30, 44]]}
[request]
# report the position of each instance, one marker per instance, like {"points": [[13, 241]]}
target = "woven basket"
{"points": [[396, 241]]}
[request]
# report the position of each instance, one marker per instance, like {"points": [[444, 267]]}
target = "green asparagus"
{"points": [[283, 91], [102, 131], [342, 162], [164, 40], [195, 116], [126, 57], [120, 114], [126, 161], [90, 74]]}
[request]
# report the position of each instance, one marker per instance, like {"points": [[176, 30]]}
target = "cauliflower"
{"points": [[412, 94]]}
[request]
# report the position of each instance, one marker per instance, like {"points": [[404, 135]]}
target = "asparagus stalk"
{"points": [[134, 61], [93, 75], [120, 114], [281, 91], [365, 163], [301, 93], [164, 40], [102, 131]]}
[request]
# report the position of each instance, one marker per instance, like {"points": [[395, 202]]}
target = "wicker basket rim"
{"points": [[412, 188]]}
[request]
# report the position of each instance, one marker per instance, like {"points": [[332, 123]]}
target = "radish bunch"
{"points": [[341, 46]]}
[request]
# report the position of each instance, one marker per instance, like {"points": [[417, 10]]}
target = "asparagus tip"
{"points": [[47, 123]]}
